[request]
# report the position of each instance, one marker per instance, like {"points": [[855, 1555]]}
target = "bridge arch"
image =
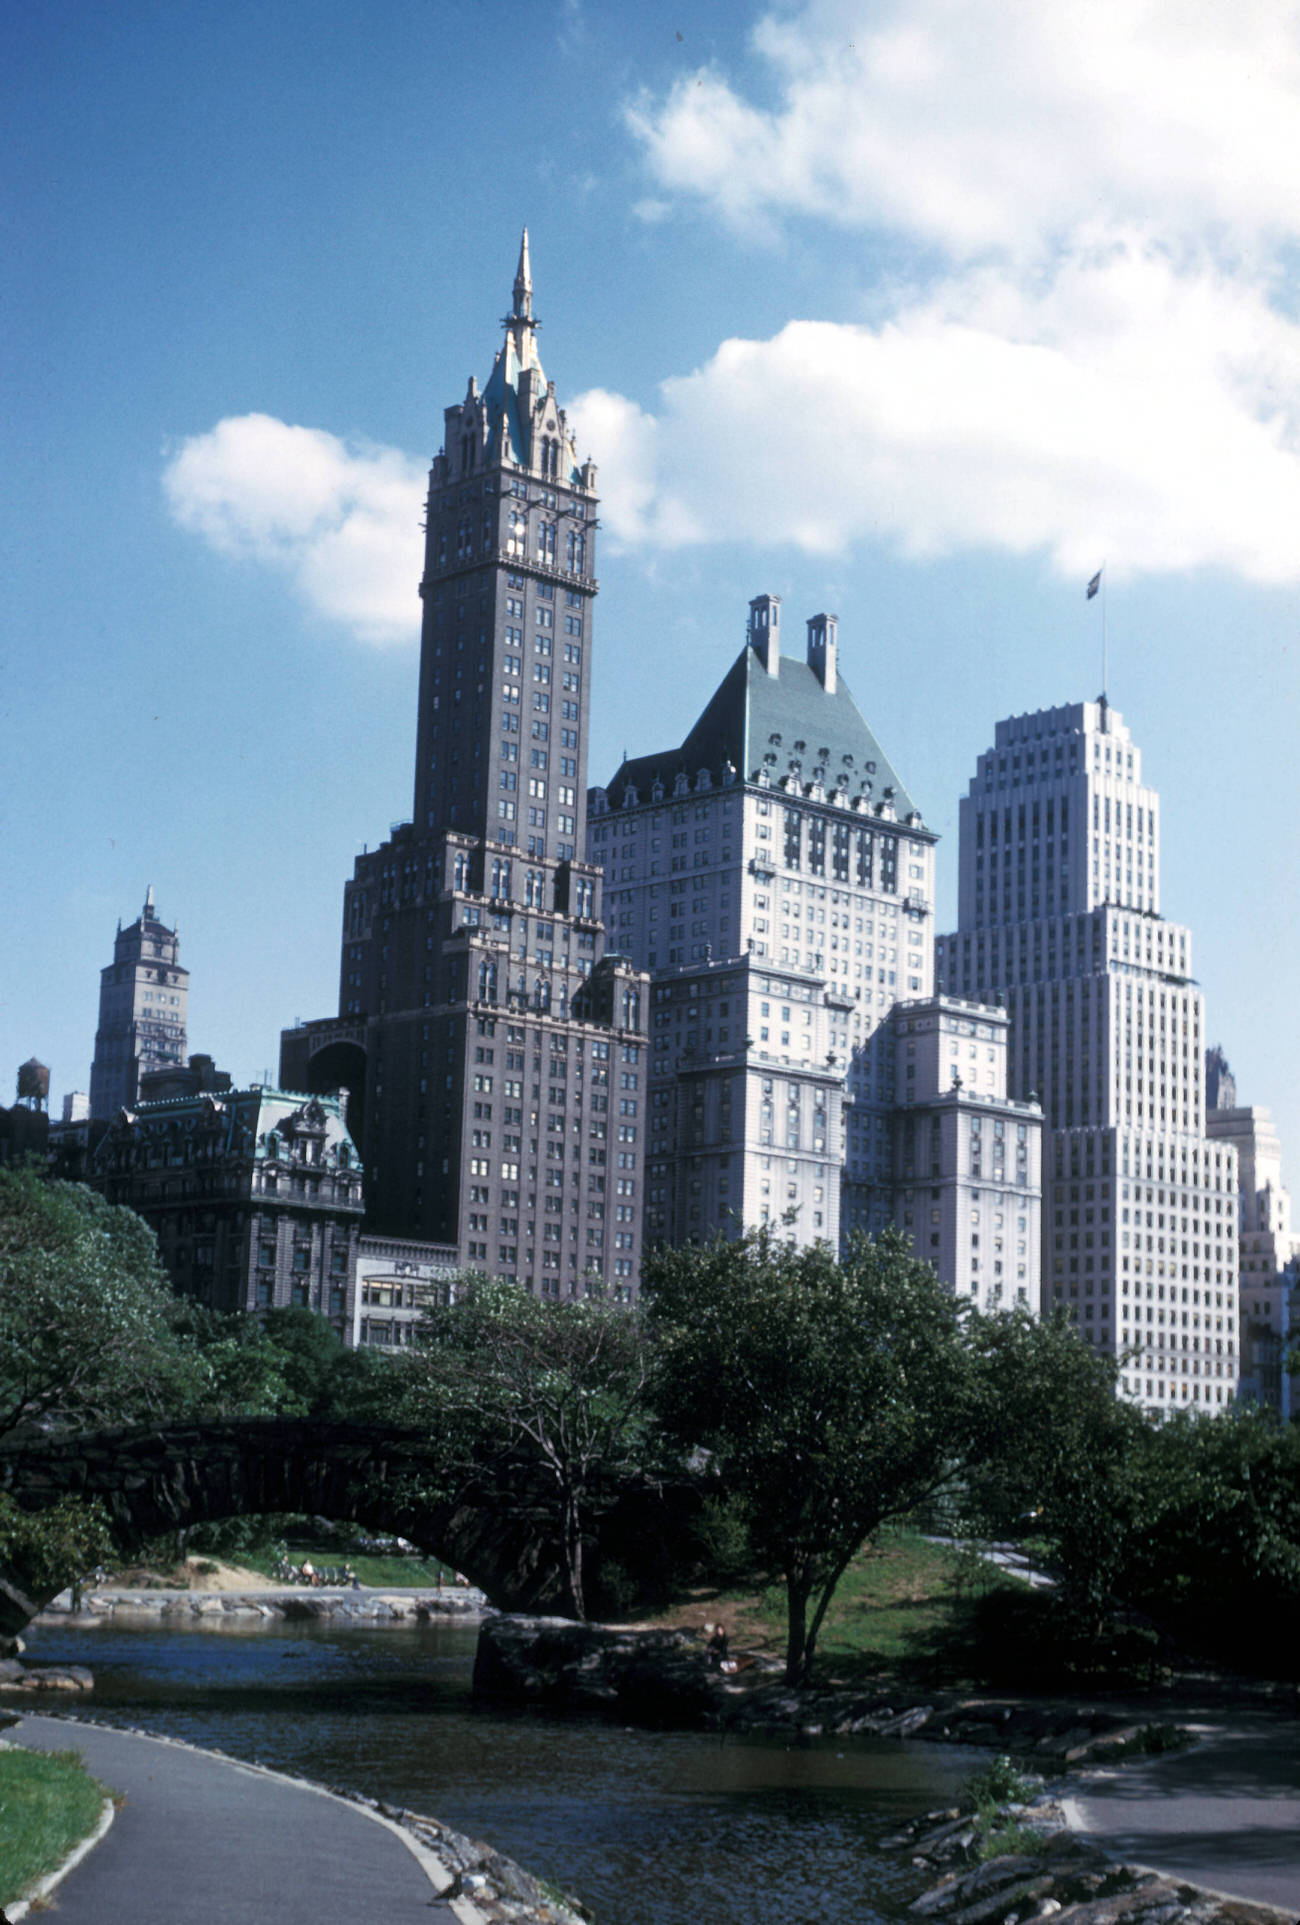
{"points": [[381, 1476]]}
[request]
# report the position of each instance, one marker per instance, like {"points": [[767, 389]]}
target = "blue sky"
{"points": [[914, 312]]}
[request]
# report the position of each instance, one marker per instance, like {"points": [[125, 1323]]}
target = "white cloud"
{"points": [[342, 521], [979, 124], [1121, 407]]}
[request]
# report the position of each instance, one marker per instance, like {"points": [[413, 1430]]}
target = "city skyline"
{"points": [[214, 698]]}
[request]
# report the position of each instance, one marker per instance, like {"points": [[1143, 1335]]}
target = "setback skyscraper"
{"points": [[1059, 919], [494, 1055]]}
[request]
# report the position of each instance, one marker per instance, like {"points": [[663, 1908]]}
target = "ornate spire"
{"points": [[523, 310], [148, 913]]}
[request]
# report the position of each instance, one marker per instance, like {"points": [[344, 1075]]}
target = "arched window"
{"points": [[631, 1009], [460, 871]]}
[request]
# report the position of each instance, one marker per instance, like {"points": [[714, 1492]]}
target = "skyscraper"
{"points": [[1267, 1246], [777, 879], [1059, 919], [143, 997], [777, 839], [494, 1055]]}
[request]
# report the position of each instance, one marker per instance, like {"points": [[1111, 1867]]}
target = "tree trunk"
{"points": [[797, 1590], [814, 1629], [572, 1529]]}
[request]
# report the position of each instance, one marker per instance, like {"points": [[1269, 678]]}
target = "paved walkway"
{"points": [[206, 1838], [1225, 1814]]}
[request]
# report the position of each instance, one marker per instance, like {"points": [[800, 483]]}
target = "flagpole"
{"points": [[1105, 646]]}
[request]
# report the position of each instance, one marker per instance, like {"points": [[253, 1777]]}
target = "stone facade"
{"points": [[779, 832], [255, 1196], [1268, 1249], [143, 999], [746, 1103], [775, 878], [1059, 921], [967, 1158], [482, 1033]]}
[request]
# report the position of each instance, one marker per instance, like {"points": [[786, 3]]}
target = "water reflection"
{"points": [[650, 1828]]}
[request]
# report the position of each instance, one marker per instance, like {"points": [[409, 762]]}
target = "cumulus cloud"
{"points": [[976, 124], [341, 520], [1098, 366], [1122, 407], [1101, 366]]}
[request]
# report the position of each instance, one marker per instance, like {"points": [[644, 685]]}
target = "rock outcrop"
{"points": [[1052, 1874]]}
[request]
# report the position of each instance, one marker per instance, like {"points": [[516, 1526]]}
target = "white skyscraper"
{"points": [[777, 880], [1058, 918]]}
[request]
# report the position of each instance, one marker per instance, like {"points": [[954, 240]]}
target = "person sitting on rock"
{"points": [[717, 1646]]}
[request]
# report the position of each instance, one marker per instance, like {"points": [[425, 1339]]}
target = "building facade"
{"points": [[143, 1005], [397, 1281], [967, 1157], [746, 1102], [493, 1054], [255, 1196], [778, 835], [1059, 920], [1267, 1247]]}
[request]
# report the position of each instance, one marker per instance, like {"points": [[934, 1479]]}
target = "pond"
{"points": [[647, 1827]]}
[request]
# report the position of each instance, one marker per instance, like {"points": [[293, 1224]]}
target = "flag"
{"points": [[1094, 585]]}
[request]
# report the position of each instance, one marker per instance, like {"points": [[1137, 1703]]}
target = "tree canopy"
{"points": [[833, 1394], [553, 1389], [86, 1338]]}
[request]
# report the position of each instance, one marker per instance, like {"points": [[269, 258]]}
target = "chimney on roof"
{"points": [[822, 649], [765, 631]]}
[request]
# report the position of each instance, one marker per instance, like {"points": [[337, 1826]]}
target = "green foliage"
{"points": [[1051, 1444], [85, 1333], [1215, 1542], [48, 1804], [1193, 1522], [288, 1363], [833, 1395], [533, 1397], [42, 1551], [999, 1783], [992, 1788]]}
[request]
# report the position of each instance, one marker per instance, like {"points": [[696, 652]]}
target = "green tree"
{"points": [[85, 1313], [1216, 1538], [833, 1394], [534, 1397], [1051, 1449]]}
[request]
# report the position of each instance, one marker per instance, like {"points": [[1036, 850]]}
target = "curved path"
{"points": [[1225, 1815], [211, 1839]]}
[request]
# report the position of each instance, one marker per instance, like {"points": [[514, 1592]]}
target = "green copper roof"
{"points": [[784, 723]]}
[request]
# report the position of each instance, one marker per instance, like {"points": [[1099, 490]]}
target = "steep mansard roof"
{"points": [[784, 724]]}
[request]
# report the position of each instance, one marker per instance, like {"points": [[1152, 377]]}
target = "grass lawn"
{"points": [[48, 1804], [371, 1570], [900, 1608]]}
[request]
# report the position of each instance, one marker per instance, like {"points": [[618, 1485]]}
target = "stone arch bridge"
{"points": [[167, 1476]]}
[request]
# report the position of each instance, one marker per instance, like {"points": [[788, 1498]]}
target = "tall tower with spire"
{"points": [[480, 1029], [509, 580], [143, 998]]}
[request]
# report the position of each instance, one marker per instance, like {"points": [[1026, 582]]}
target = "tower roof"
{"points": [[785, 723], [517, 393]]}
